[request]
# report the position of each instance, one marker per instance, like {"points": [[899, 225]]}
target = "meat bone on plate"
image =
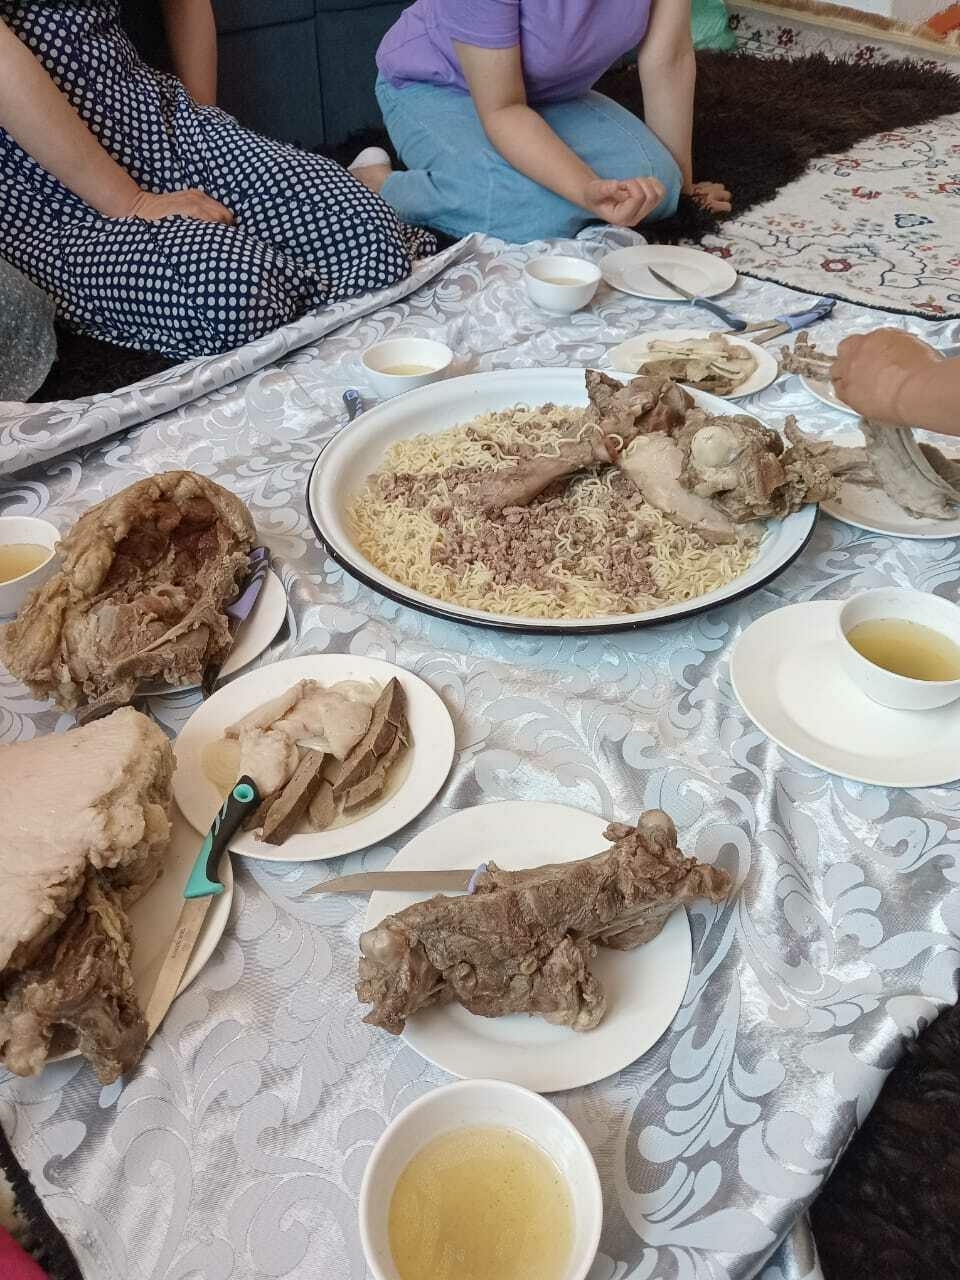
{"points": [[522, 941], [919, 478]]}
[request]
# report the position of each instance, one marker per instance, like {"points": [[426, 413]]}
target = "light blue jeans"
{"points": [[457, 182]]}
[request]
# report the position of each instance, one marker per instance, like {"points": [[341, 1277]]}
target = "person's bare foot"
{"points": [[372, 167]]}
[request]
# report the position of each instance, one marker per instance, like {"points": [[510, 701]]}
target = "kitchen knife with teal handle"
{"points": [[201, 888]]}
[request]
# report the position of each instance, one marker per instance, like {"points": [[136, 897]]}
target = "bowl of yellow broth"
{"points": [[902, 647], [480, 1180], [27, 549], [403, 364]]}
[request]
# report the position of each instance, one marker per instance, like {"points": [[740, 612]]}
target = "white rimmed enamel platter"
{"points": [[876, 512], [644, 987], [153, 919], [430, 754], [254, 637], [630, 355], [342, 469], [701, 273], [787, 675]]}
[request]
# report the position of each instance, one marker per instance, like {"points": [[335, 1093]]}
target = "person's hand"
{"points": [[873, 373], [185, 204], [712, 196], [624, 204]]}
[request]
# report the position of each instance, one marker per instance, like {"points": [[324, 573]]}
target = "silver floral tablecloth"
{"points": [[236, 1150]]}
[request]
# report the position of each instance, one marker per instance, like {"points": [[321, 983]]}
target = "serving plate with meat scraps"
{"points": [[875, 511], [644, 987], [254, 636], [154, 918], [632, 356], [417, 779], [343, 467]]}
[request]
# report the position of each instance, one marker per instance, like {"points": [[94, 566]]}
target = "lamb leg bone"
{"points": [[907, 474]]}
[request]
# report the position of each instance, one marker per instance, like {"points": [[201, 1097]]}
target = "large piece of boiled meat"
{"points": [[141, 595], [522, 942]]}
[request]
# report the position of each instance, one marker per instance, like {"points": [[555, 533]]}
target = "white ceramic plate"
{"points": [[430, 757], [154, 918], [701, 273], [644, 987], [628, 357], [873, 510], [344, 465], [824, 392], [788, 679], [268, 616]]}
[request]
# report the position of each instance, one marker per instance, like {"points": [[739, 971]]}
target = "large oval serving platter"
{"points": [[344, 465]]}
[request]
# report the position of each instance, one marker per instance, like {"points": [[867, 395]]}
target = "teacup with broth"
{"points": [[27, 547], [480, 1180], [903, 647]]}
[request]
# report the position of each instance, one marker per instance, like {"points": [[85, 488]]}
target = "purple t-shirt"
{"points": [[566, 45]]}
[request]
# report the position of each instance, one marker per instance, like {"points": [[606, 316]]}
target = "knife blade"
{"points": [[200, 890], [368, 881], [736, 323]]}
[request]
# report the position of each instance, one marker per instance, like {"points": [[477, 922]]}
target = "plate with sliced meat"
{"points": [[562, 500], [344, 750], [567, 962]]}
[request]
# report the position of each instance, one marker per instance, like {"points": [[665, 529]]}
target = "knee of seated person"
{"points": [[250, 304], [671, 177]]}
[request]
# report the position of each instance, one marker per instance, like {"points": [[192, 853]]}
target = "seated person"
{"points": [[892, 377], [153, 219], [490, 106]]}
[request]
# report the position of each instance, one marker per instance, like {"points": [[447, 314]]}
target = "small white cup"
{"points": [[543, 274], [14, 531], [380, 359], [901, 693], [474, 1104]]}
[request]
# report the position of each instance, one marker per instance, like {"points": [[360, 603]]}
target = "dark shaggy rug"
{"points": [[891, 1209], [759, 123]]}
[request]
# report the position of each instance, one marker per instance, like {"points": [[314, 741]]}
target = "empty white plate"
{"points": [[698, 272], [629, 356], [430, 755], [875, 511], [788, 679], [644, 987]]}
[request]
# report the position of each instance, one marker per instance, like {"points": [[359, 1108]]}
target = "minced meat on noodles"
{"points": [[586, 547]]}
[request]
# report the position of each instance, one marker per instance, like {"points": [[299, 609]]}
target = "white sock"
{"points": [[370, 156]]}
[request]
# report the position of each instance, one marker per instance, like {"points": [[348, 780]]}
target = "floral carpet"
{"points": [[878, 225]]}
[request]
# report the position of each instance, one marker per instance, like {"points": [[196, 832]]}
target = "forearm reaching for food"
{"points": [[891, 377], [526, 141], [192, 37], [41, 120], [667, 67]]}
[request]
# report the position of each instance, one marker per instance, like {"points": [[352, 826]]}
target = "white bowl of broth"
{"points": [[401, 364], [480, 1180], [902, 647], [27, 548], [561, 284]]}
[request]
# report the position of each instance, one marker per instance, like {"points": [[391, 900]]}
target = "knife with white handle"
{"points": [[401, 881]]}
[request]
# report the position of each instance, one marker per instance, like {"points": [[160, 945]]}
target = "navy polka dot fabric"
{"points": [[306, 232]]}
